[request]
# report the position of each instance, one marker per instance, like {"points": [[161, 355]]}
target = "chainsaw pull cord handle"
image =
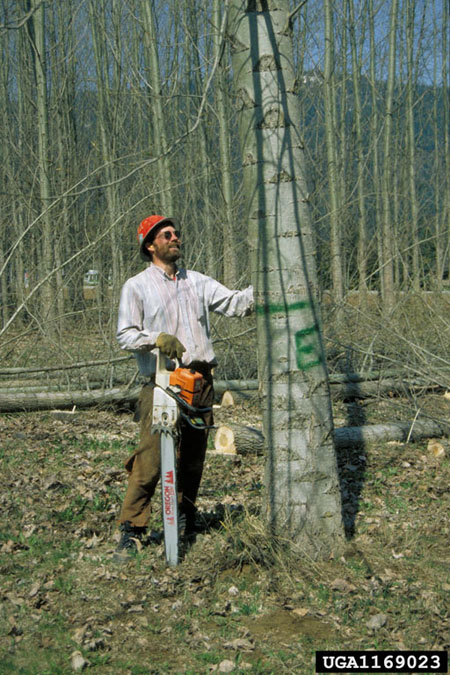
{"points": [[161, 362]]}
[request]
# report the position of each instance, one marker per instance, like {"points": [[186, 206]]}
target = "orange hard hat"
{"points": [[148, 226]]}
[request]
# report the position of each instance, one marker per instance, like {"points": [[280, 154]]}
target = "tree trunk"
{"points": [[335, 215], [46, 255], [360, 159], [413, 231], [105, 71], [159, 121], [387, 244], [445, 204], [374, 134], [303, 499], [227, 215]]}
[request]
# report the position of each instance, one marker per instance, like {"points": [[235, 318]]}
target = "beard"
{"points": [[167, 254]]}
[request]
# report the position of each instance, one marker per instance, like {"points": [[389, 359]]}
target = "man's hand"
{"points": [[170, 345]]}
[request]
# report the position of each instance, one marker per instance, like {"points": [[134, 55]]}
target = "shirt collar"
{"points": [[159, 270]]}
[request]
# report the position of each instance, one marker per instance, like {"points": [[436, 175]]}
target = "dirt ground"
{"points": [[237, 602]]}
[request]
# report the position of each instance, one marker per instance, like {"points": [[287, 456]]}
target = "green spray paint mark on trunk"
{"points": [[283, 308], [307, 350]]}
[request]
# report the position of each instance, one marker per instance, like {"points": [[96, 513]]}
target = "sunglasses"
{"points": [[168, 234]]}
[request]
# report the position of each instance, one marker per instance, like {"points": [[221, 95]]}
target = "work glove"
{"points": [[170, 345]]}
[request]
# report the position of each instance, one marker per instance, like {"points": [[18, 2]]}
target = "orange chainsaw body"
{"points": [[190, 384]]}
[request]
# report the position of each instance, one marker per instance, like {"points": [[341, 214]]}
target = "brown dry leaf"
{"points": [[15, 599], [34, 590], [28, 530], [397, 556], [343, 586], [86, 492], [80, 633], [300, 611], [136, 608], [93, 541], [436, 448], [239, 644], [226, 666], [376, 622], [8, 547], [78, 661]]}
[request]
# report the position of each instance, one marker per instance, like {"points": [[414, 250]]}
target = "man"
{"points": [[168, 307]]}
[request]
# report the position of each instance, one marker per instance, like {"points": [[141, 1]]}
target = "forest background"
{"points": [[112, 110], [115, 110]]}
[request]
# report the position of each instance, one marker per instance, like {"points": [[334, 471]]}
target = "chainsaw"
{"points": [[175, 397]]}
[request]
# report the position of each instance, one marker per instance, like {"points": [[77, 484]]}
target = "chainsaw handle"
{"points": [[199, 427], [161, 362], [184, 404]]}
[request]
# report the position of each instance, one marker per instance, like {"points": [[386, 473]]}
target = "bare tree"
{"points": [[359, 152], [388, 236], [156, 94], [332, 155], [37, 41], [226, 177]]}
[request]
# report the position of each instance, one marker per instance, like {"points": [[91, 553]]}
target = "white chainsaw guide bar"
{"points": [[164, 422]]}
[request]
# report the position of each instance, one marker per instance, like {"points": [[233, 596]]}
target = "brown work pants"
{"points": [[144, 464]]}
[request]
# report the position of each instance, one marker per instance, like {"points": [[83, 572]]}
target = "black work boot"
{"points": [[127, 545], [186, 524]]}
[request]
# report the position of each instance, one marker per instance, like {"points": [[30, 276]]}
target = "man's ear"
{"points": [[150, 248]]}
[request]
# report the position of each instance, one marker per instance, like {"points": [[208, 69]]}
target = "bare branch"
{"points": [[21, 21]]}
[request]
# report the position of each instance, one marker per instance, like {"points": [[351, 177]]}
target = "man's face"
{"points": [[165, 247]]}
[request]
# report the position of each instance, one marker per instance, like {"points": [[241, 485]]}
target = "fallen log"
{"points": [[43, 400], [343, 391], [349, 391], [346, 390], [42, 389], [238, 439], [231, 398], [345, 437], [233, 438], [221, 386], [62, 399], [67, 366]]}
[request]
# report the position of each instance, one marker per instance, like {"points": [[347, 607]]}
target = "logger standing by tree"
{"points": [[168, 307]]}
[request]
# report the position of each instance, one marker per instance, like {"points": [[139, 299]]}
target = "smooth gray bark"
{"points": [[302, 490], [411, 144], [159, 121], [329, 96], [360, 156], [44, 163], [387, 243], [227, 210]]}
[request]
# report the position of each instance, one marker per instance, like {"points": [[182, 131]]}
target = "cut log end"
{"points": [[227, 400], [224, 440], [238, 439]]}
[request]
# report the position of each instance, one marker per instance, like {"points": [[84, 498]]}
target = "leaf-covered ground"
{"points": [[236, 603]]}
